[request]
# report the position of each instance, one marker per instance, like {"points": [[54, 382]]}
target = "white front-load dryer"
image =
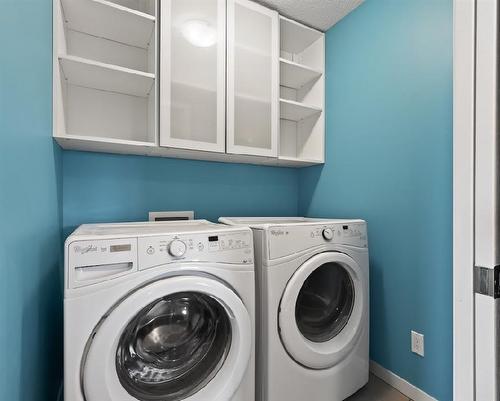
{"points": [[159, 311], [313, 309]]}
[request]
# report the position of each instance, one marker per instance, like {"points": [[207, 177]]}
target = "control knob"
{"points": [[177, 248], [328, 234]]}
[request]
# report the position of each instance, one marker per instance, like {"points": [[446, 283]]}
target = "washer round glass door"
{"points": [[322, 309], [178, 338]]}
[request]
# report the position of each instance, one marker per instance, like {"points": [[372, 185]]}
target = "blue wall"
{"points": [[104, 188], [30, 199], [389, 161], [389, 145]]}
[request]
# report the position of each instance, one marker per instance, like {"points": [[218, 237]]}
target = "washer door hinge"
{"points": [[486, 281]]}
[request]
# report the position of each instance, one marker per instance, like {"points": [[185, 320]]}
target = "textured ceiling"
{"points": [[319, 14]]}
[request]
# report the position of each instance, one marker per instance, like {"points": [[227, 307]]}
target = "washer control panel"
{"points": [[94, 261], [231, 247], [287, 240]]}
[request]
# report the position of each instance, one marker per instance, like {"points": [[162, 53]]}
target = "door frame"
{"points": [[464, 53]]}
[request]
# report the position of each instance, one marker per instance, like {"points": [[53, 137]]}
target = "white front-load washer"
{"points": [[159, 311], [313, 308]]}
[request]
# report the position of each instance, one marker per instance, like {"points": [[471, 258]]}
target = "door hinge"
{"points": [[486, 281]]}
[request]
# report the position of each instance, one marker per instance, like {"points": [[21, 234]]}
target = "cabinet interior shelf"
{"points": [[298, 161], [296, 37], [107, 77], [100, 143], [109, 20], [296, 111], [295, 76]]}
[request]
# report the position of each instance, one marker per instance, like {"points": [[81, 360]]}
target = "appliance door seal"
{"points": [[101, 378], [323, 309]]}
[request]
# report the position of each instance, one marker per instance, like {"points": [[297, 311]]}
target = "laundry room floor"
{"points": [[378, 390]]}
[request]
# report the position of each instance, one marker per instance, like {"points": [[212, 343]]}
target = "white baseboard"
{"points": [[404, 387]]}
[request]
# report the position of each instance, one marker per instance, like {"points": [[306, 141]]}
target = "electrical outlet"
{"points": [[417, 343]]}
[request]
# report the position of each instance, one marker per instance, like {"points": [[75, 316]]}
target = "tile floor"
{"points": [[378, 390]]}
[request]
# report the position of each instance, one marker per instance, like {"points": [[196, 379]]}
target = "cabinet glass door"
{"points": [[192, 84], [252, 79]]}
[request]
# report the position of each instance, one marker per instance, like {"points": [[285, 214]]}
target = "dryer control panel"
{"points": [[286, 240], [233, 248]]}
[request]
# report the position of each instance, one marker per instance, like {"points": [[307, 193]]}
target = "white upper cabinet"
{"points": [[252, 79], [302, 93], [105, 74], [221, 80], [192, 68]]}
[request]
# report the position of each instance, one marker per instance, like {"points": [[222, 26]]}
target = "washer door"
{"points": [[321, 310], [179, 338]]}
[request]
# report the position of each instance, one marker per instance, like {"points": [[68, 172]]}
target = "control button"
{"points": [[200, 246], [177, 248], [328, 234], [213, 246], [150, 250]]}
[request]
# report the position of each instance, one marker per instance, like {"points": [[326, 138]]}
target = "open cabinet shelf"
{"points": [[98, 115], [302, 87], [105, 144], [109, 20], [294, 75], [107, 77], [296, 111], [298, 162], [105, 86], [295, 37]]}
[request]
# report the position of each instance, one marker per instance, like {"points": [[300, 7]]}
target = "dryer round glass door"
{"points": [[322, 309], [178, 338], [325, 302]]}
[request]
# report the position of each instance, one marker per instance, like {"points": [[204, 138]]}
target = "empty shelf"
{"points": [[298, 161], [293, 75], [296, 37], [109, 20], [295, 111], [96, 75]]}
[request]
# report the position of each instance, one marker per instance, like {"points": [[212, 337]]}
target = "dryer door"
{"points": [[178, 338], [322, 310]]}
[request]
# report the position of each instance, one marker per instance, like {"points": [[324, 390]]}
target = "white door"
{"points": [[252, 79], [487, 212], [179, 338], [192, 66], [323, 310]]}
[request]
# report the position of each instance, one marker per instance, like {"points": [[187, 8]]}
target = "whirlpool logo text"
{"points": [[85, 249]]}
